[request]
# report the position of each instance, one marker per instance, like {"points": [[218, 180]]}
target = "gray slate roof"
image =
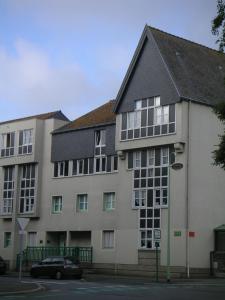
{"points": [[49, 115], [198, 71]]}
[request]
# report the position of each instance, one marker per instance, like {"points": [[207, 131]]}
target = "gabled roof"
{"points": [[196, 71], [50, 115], [102, 115]]}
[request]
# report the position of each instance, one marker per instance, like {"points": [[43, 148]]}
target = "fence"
{"points": [[34, 254]]}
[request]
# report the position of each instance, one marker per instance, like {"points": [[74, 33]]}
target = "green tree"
{"points": [[218, 24], [218, 29]]}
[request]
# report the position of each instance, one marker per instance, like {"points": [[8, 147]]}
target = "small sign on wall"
{"points": [[177, 233], [192, 234]]}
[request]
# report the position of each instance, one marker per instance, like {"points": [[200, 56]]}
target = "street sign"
{"points": [[157, 234], [23, 222], [177, 233]]}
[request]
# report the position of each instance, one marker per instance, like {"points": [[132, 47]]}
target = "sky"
{"points": [[72, 55]]}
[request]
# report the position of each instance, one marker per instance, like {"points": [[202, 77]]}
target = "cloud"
{"points": [[29, 80]]}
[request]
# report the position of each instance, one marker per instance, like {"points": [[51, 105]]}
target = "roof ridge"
{"points": [[186, 40]]}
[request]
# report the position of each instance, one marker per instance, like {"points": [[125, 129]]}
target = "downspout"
{"points": [[187, 195]]}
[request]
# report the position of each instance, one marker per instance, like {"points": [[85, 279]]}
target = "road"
{"points": [[111, 290]]}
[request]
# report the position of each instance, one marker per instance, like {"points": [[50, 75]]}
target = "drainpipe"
{"points": [[187, 195]]}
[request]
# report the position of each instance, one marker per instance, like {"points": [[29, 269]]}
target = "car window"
{"points": [[46, 261], [68, 262], [57, 260]]}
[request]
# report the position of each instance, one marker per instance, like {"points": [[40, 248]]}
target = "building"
{"points": [[104, 181]]}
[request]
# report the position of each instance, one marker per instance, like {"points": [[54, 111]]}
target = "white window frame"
{"points": [[4, 143], [102, 138], [100, 158], [28, 200], [82, 199], [139, 198], [109, 200], [137, 160], [26, 142], [108, 242], [61, 165], [7, 203], [57, 204]]}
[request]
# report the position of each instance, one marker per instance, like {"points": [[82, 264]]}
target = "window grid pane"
{"points": [[148, 119]]}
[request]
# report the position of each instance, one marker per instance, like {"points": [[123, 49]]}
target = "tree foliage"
{"points": [[218, 24], [218, 29], [219, 153]]}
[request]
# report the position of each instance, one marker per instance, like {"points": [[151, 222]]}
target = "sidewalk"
{"points": [[10, 286]]}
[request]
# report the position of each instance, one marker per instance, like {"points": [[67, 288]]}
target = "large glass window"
{"points": [[150, 190], [25, 141], [8, 190], [27, 189], [56, 204], [7, 142], [148, 119]]}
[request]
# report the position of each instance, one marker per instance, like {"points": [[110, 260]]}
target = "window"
{"points": [[100, 164], [108, 239], [161, 115], [137, 159], [32, 239], [139, 198], [27, 188], [100, 142], [148, 119], [150, 190], [99, 138], [61, 168], [56, 204], [7, 144], [7, 239], [8, 190], [108, 201], [82, 203], [25, 141]]}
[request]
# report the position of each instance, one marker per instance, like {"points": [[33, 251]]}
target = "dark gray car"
{"points": [[57, 267]]}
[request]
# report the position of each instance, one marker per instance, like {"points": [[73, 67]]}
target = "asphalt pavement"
{"points": [[101, 287]]}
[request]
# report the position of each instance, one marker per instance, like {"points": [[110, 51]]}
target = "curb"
{"points": [[39, 288]]}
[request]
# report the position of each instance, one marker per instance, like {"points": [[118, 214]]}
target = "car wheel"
{"points": [[58, 275]]}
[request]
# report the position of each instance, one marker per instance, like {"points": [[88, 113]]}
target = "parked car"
{"points": [[57, 267], [2, 266]]}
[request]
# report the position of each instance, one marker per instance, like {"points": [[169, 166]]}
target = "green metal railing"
{"points": [[35, 254]]}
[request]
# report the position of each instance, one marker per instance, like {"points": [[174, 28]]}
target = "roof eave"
{"points": [[82, 128]]}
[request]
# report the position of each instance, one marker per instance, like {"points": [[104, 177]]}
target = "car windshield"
{"points": [[57, 260]]}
